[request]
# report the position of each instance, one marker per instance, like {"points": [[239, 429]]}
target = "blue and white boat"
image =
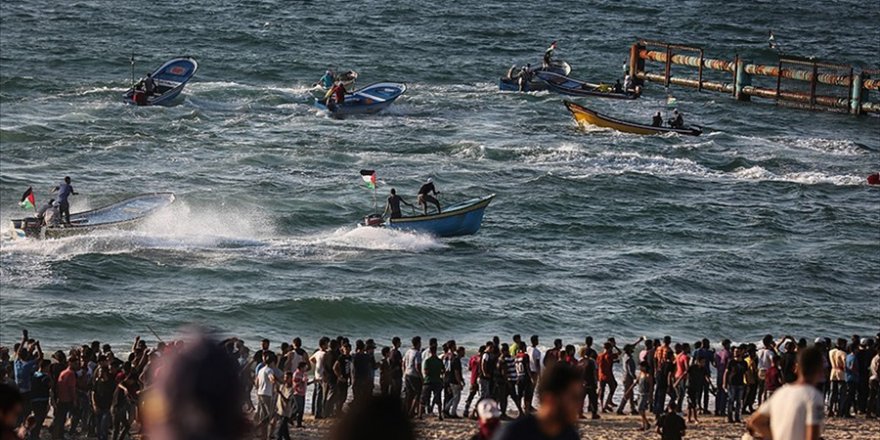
{"points": [[462, 218], [170, 79], [370, 99]]}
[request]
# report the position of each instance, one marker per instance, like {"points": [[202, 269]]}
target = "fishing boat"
{"points": [[564, 85], [584, 115], [170, 79], [370, 99], [463, 218], [510, 83], [124, 214]]}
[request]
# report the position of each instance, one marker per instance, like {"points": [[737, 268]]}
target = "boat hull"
{"points": [[170, 78], [586, 116], [572, 87], [125, 214], [462, 219], [368, 100], [508, 84]]}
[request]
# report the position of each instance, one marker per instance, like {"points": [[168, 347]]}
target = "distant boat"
{"points": [[584, 115], [370, 99], [564, 85], [874, 179], [170, 79], [463, 218], [124, 214], [510, 83]]}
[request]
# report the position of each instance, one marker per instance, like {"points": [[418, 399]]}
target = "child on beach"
{"points": [[772, 380], [300, 381], [697, 379], [644, 384]]}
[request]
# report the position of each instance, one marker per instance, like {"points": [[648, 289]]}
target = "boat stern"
{"points": [[26, 228]]}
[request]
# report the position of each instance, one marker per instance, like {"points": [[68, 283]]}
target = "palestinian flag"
{"points": [[369, 177], [27, 199]]}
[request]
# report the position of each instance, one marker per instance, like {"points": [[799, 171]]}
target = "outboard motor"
{"points": [[373, 220]]}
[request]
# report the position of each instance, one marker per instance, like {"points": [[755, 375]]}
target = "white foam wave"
{"points": [[366, 238], [806, 177]]}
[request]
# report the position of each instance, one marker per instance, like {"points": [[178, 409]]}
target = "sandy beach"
{"points": [[616, 428]]}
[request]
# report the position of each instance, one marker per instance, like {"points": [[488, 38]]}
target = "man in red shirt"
{"points": [[682, 361], [65, 397], [606, 362], [474, 368]]}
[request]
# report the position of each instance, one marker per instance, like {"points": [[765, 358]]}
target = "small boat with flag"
{"points": [[169, 80], [463, 218], [511, 82], [370, 99], [584, 115], [564, 85], [124, 214]]}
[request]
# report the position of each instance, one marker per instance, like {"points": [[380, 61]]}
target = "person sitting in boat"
{"points": [[52, 216], [525, 75], [657, 121], [627, 83], [336, 94], [41, 213], [618, 88], [392, 206], [548, 54], [677, 120], [425, 196], [326, 81]]}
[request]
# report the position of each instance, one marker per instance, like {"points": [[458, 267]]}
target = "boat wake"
{"points": [[364, 238]]}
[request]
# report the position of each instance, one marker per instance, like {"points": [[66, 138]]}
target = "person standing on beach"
{"points": [[788, 362], [330, 379], [102, 401], [517, 343], [300, 383], [535, 363], [342, 371], [734, 383], [722, 357], [432, 370], [851, 375], [363, 364], [65, 397], [317, 360], [524, 385], [589, 371], [629, 378], [286, 405], [487, 370], [707, 353], [795, 411], [682, 361], [266, 381], [560, 397], [412, 372], [474, 369], [41, 387], [552, 355], [454, 380], [395, 369], [765, 358], [606, 361], [837, 358], [644, 386]]}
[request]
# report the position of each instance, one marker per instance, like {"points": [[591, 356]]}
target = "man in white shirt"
{"points": [[765, 361], [795, 411], [837, 358], [317, 361], [266, 379], [412, 375]]}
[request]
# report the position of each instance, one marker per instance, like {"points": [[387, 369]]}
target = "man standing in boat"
{"points": [[65, 190], [425, 196], [149, 85], [548, 54], [393, 205]]}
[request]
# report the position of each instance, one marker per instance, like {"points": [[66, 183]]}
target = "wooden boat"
{"points": [[170, 79], [463, 218], [564, 85], [370, 99], [124, 214], [510, 83], [584, 115]]}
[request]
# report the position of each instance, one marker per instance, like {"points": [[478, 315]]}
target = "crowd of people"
{"points": [[90, 391]]}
